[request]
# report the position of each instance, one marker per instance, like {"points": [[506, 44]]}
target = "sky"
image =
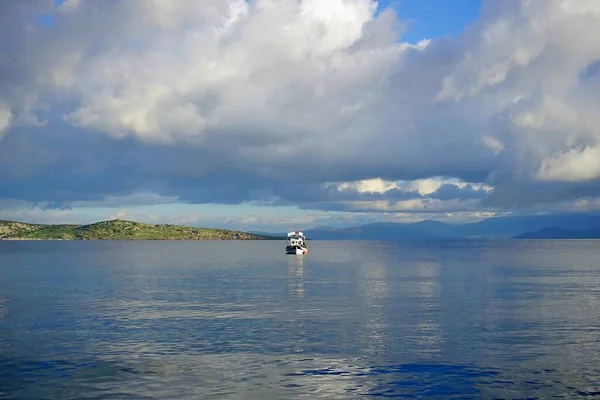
{"points": [[289, 114]]}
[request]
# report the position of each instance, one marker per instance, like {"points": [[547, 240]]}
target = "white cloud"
{"points": [[425, 186], [422, 187], [574, 165], [368, 186], [233, 61]]}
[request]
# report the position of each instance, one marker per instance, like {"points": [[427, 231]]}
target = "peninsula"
{"points": [[120, 230]]}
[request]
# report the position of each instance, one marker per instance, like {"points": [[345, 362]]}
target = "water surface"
{"points": [[242, 320]]}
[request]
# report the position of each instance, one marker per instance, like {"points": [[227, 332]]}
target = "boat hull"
{"points": [[296, 250]]}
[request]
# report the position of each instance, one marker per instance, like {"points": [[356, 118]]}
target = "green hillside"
{"points": [[119, 230]]}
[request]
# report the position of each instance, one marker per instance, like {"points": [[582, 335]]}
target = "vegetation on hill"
{"points": [[120, 230]]}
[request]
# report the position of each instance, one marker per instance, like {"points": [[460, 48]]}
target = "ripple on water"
{"points": [[470, 319], [242, 375]]}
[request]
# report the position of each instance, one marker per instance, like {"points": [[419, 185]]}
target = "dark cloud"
{"points": [[61, 165], [450, 191]]}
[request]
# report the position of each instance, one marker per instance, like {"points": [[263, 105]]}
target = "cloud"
{"points": [[5, 118], [572, 166], [493, 144], [433, 195], [320, 105]]}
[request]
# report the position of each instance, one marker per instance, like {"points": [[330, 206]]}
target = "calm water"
{"points": [[241, 320]]}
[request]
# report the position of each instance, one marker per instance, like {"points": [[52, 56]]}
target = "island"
{"points": [[120, 230]]}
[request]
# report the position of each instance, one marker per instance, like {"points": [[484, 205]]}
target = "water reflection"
{"points": [[373, 291], [429, 337], [296, 273], [297, 313]]}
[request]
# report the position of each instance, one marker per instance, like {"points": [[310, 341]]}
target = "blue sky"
{"points": [[296, 114], [433, 18]]}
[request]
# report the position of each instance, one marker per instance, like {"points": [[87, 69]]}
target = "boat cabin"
{"points": [[296, 239]]}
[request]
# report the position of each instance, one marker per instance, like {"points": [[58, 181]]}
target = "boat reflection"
{"points": [[296, 273]]}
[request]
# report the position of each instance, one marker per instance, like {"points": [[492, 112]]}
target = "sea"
{"points": [[472, 319]]}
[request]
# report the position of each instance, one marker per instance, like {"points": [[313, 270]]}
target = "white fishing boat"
{"points": [[296, 243]]}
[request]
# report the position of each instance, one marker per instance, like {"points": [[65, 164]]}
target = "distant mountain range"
{"points": [[556, 226]]}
